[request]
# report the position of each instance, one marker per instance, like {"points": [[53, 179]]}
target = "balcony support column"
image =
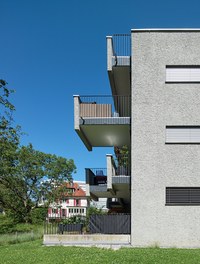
{"points": [[109, 52], [109, 171], [76, 111]]}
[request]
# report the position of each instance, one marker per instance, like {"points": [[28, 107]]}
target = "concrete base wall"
{"points": [[87, 240]]}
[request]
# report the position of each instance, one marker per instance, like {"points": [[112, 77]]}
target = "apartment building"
{"points": [[152, 121]]}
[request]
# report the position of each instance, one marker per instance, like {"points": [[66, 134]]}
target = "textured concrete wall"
{"points": [[156, 165]]}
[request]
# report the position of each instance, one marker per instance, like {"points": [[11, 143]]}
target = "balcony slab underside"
{"points": [[106, 132]]}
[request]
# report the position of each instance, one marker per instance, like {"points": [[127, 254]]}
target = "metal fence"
{"points": [[93, 224], [64, 224], [110, 224]]}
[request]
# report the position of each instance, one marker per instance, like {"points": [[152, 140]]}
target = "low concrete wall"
{"points": [[87, 240]]}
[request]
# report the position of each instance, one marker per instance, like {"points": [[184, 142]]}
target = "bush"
{"points": [[6, 225], [38, 215], [77, 219]]}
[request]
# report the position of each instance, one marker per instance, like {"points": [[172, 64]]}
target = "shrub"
{"points": [[6, 224], [78, 219], [38, 215]]}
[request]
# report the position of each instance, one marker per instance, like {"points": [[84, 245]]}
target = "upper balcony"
{"points": [[119, 63], [102, 121]]}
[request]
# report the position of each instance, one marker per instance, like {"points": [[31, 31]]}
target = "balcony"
{"points": [[102, 121], [119, 63], [112, 182]]}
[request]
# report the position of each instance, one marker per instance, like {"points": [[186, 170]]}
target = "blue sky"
{"points": [[53, 49]]}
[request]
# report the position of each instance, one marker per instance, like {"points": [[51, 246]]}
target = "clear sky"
{"points": [[53, 49]]}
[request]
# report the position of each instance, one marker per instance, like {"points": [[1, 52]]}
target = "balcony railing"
{"points": [[119, 50], [96, 176], [121, 164], [101, 107], [118, 170], [93, 224]]}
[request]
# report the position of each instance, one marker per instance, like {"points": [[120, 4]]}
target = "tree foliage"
{"points": [[26, 175]]}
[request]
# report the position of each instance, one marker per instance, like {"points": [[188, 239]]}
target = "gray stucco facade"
{"points": [[155, 164]]}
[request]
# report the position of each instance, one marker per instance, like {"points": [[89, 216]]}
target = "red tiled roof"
{"points": [[78, 192]]}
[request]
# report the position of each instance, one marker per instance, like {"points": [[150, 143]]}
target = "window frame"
{"points": [[184, 203], [181, 67], [189, 127]]}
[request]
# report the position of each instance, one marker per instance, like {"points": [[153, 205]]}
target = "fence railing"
{"points": [[93, 224], [110, 224], [119, 50], [122, 44], [64, 225], [106, 106]]}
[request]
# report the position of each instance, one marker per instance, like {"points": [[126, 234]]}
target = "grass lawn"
{"points": [[18, 237], [34, 253]]}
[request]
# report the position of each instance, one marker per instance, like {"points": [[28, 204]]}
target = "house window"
{"points": [[183, 74], [182, 195], [63, 212], [182, 135], [78, 202]]}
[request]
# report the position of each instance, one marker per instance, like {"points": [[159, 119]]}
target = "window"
{"points": [[54, 211], [63, 212], [183, 74], [182, 195], [182, 135]]}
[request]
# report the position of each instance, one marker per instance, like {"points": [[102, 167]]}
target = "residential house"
{"points": [[73, 202], [153, 111]]}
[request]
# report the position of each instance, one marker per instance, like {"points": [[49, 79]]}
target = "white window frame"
{"points": [[182, 135], [183, 74]]}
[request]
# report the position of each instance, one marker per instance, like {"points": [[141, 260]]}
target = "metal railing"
{"points": [[121, 164], [99, 107], [96, 176], [121, 45], [61, 224], [92, 224]]}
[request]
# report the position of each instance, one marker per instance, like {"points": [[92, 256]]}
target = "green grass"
{"points": [[19, 237], [34, 253]]}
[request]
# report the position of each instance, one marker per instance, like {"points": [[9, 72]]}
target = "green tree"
{"points": [[36, 176], [26, 175]]}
